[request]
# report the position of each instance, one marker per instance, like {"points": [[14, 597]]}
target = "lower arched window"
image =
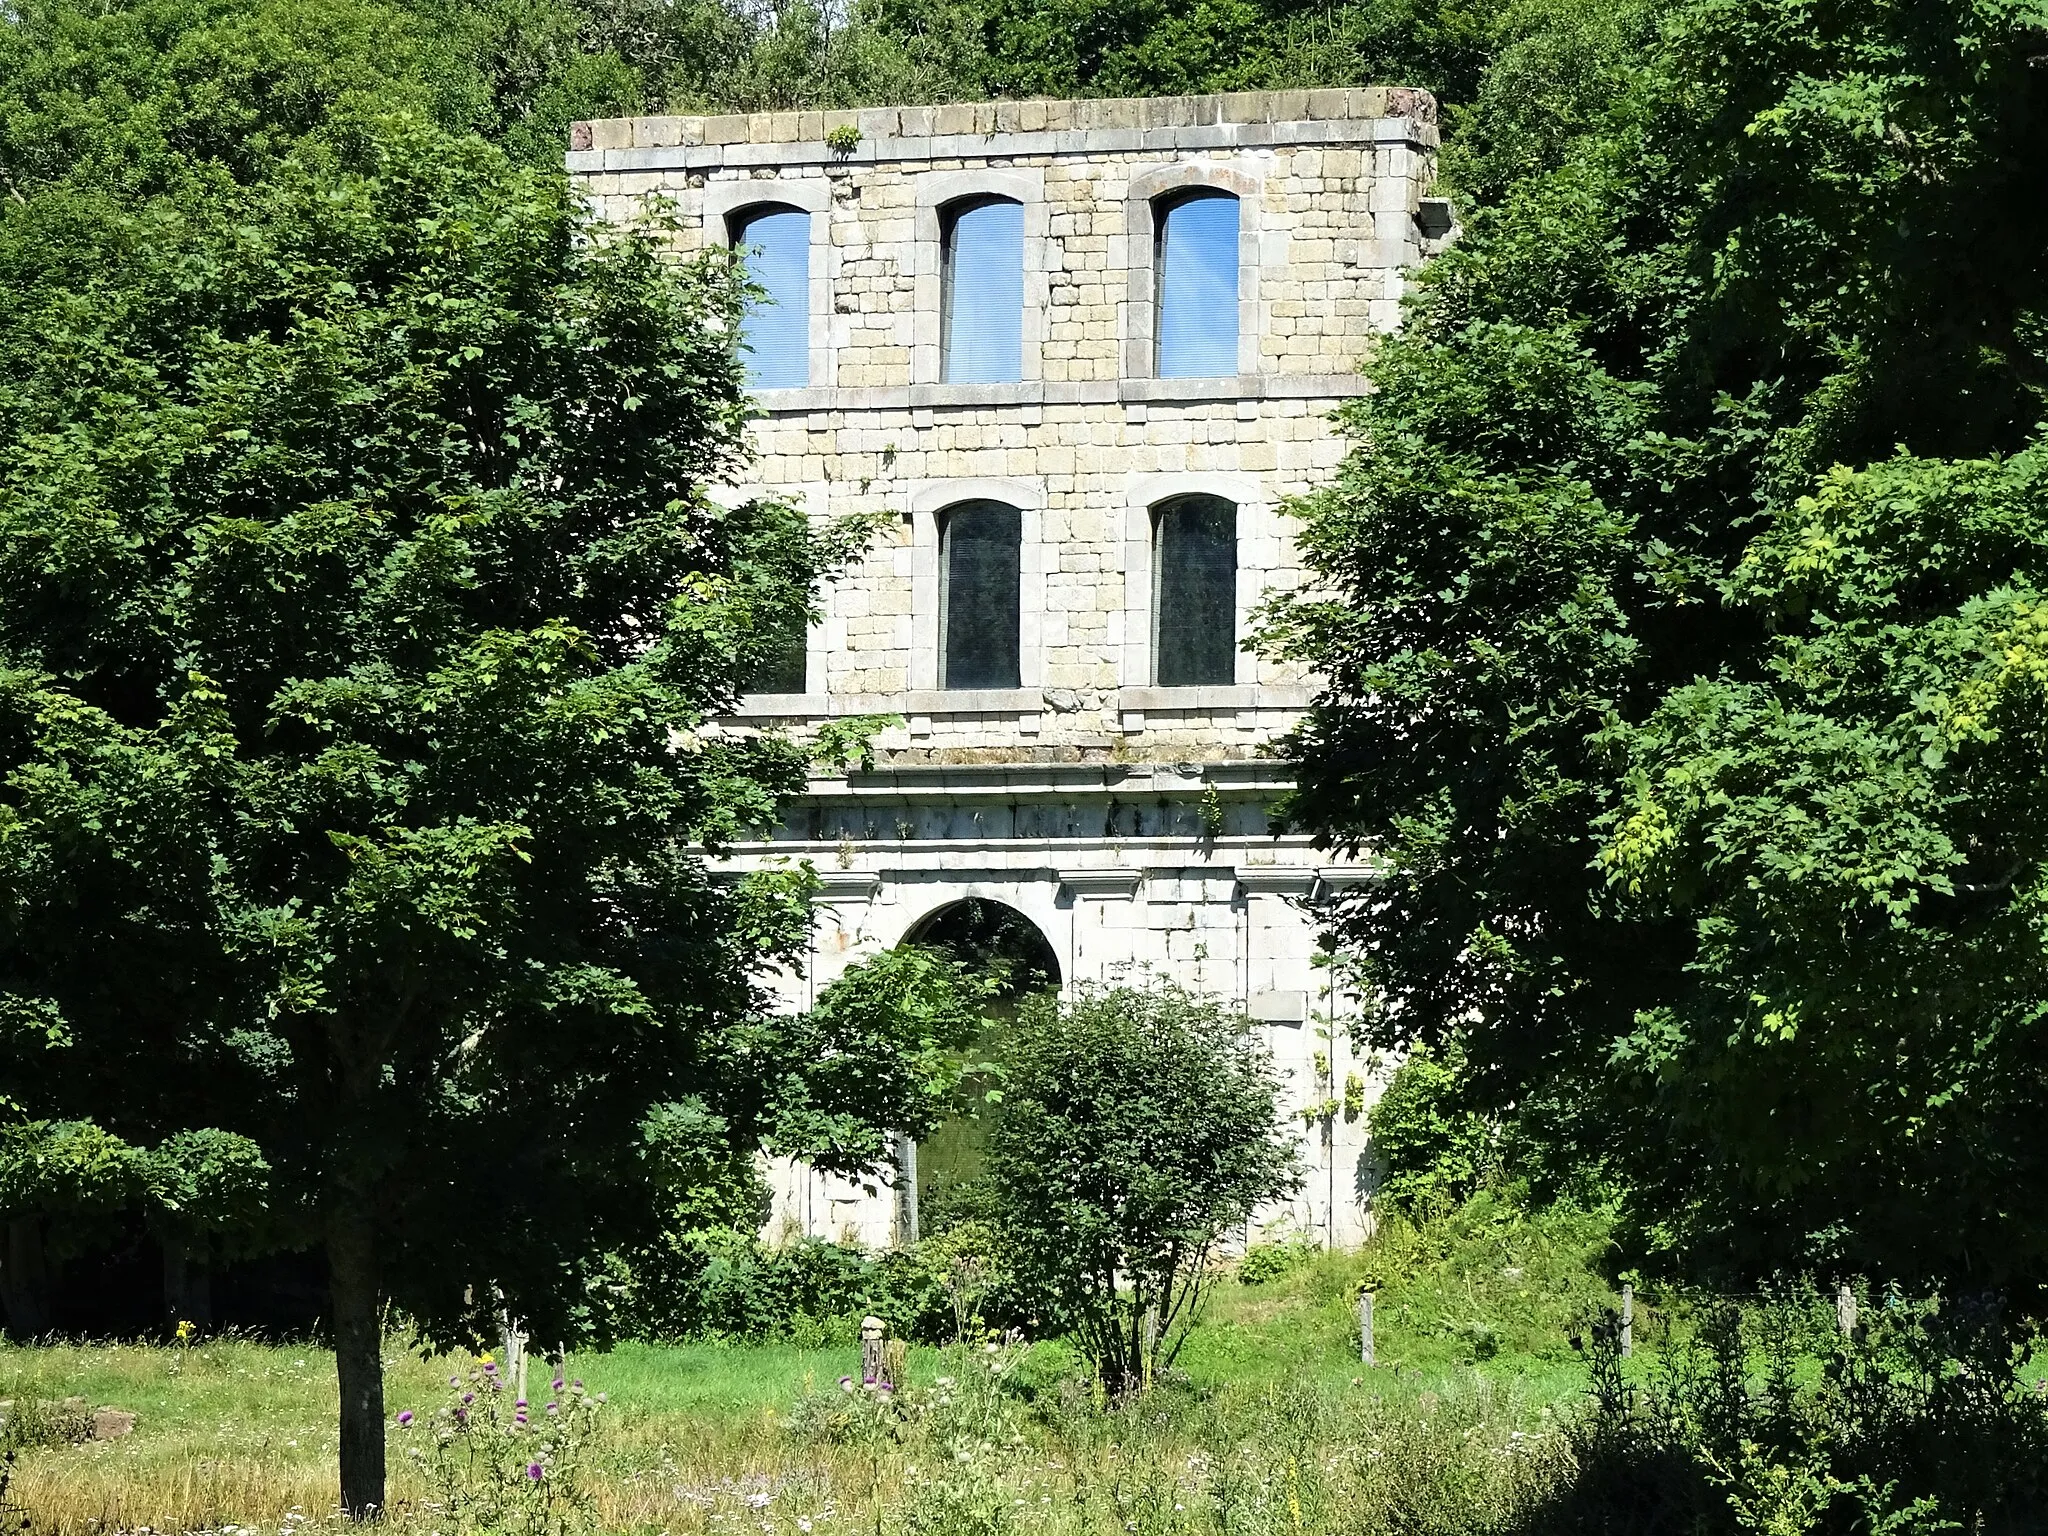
{"points": [[980, 595], [1194, 592]]}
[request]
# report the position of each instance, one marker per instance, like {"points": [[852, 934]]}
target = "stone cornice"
{"points": [[978, 130]]}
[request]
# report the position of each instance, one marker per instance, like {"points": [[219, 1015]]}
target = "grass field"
{"points": [[1276, 1420]]}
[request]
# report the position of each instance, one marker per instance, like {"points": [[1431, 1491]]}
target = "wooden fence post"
{"points": [[1628, 1319], [1365, 1348], [1845, 1309]]}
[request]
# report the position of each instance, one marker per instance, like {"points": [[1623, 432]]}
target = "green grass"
{"points": [[1474, 1367]]}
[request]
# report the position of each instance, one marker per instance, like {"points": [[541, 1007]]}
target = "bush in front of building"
{"points": [[1139, 1125]]}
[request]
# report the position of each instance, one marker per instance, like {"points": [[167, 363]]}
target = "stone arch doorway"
{"points": [[980, 931], [937, 1182]]}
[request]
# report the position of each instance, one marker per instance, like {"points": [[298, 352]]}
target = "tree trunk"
{"points": [[188, 1288], [25, 1280], [358, 1361]]}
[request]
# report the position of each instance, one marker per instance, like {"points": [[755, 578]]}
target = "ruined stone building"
{"points": [[1080, 353]]}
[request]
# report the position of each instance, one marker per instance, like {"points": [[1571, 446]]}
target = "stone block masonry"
{"points": [[1125, 818]]}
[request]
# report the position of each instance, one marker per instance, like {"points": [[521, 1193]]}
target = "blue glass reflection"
{"points": [[984, 334], [776, 333], [1198, 288]]}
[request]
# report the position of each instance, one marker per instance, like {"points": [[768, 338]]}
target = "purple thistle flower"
{"points": [[454, 1381], [577, 1385], [533, 1470], [490, 1367], [557, 1383], [404, 1417], [520, 1404], [552, 1407], [468, 1398]]}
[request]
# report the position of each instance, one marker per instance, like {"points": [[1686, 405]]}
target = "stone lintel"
{"points": [[1101, 884], [1274, 880], [837, 885]]}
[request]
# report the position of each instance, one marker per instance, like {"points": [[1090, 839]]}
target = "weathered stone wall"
{"points": [[1089, 440], [1126, 820]]}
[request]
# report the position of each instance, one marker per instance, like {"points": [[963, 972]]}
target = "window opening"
{"points": [[1194, 604], [980, 595], [982, 300], [785, 656], [1197, 276], [775, 335]]}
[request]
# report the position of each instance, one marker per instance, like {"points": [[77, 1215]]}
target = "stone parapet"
{"points": [[1374, 113]]}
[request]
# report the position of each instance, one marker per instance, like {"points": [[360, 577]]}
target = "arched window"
{"points": [[981, 558], [1194, 592], [775, 247], [1197, 276], [982, 291], [785, 658]]}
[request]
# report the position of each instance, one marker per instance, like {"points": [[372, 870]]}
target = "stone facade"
{"points": [[1128, 821]]}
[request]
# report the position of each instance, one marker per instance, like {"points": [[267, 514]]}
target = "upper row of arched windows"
{"points": [[981, 327]]}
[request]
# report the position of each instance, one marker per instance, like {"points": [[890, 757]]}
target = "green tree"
{"points": [[1139, 1126], [1680, 646], [362, 617]]}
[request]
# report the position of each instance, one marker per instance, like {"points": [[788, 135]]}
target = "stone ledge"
{"points": [[1226, 699], [1034, 394], [988, 119]]}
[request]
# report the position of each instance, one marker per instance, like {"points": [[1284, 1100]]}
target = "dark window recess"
{"points": [[979, 605], [784, 660], [1194, 631], [982, 305]]}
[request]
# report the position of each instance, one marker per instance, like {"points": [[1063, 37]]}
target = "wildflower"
{"points": [[404, 1417], [185, 1332], [468, 1398], [557, 1383], [846, 1383], [454, 1381], [521, 1403], [533, 1471], [600, 1397], [577, 1385], [759, 1500], [486, 1359]]}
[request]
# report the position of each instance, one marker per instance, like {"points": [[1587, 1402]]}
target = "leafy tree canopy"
{"points": [[364, 613], [1139, 1126], [1684, 629]]}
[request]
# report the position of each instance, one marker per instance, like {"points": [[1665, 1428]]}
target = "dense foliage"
{"points": [[363, 610], [1684, 645], [1430, 1148], [1139, 1126]]}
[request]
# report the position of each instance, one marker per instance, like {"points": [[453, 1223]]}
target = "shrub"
{"points": [[1263, 1263], [1138, 1126], [1766, 1419], [1433, 1151]]}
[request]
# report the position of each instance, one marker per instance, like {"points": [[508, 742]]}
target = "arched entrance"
{"points": [[984, 934]]}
